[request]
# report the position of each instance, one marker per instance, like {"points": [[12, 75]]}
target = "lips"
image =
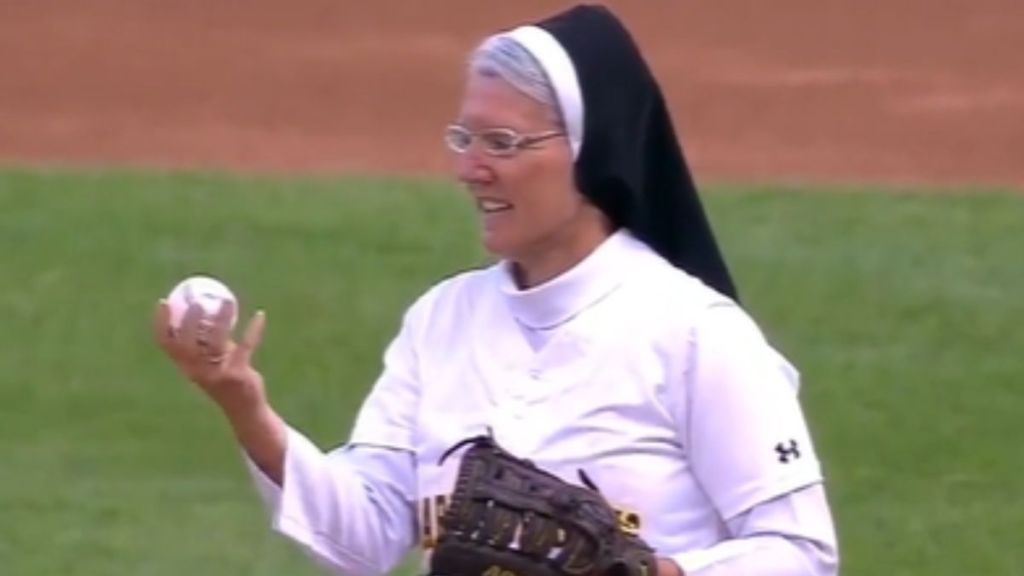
{"points": [[492, 206]]}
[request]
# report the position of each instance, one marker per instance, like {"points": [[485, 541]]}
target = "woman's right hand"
{"points": [[203, 351]]}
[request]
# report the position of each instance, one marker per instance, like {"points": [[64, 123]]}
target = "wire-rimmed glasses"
{"points": [[499, 142]]}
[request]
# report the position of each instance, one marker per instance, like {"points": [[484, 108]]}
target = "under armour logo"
{"points": [[787, 451]]}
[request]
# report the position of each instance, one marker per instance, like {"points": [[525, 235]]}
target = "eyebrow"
{"points": [[481, 127]]}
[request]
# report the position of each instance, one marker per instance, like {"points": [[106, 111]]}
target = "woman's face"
{"points": [[526, 199]]}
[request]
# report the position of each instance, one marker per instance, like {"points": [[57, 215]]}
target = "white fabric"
{"points": [[562, 74], [664, 391], [352, 510]]}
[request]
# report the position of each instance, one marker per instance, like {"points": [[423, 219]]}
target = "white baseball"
{"points": [[206, 291]]}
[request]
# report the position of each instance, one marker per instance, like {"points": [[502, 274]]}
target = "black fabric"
{"points": [[631, 164]]}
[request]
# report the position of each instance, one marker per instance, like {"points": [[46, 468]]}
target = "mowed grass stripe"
{"points": [[900, 307]]}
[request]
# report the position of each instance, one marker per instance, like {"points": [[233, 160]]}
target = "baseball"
{"points": [[208, 292]]}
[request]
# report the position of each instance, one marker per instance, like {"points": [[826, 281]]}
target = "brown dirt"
{"points": [[823, 90]]}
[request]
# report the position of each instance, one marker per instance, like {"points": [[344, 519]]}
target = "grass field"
{"points": [[902, 308]]}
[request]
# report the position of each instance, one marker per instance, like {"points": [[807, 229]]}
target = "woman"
{"points": [[608, 337]]}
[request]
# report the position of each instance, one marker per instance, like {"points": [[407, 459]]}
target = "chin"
{"points": [[497, 245], [492, 246]]}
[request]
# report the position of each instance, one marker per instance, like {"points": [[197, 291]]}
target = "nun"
{"points": [[607, 335]]}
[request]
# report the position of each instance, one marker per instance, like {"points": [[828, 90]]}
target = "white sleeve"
{"points": [[792, 535], [353, 509], [350, 510], [751, 450]]}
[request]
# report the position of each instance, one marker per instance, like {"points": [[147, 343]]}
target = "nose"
{"points": [[470, 168]]}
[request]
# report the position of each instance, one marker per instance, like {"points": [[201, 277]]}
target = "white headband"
{"points": [[560, 70]]}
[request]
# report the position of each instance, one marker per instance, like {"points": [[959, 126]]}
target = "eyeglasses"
{"points": [[500, 142]]}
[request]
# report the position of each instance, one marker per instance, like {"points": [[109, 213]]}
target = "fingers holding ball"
{"points": [[208, 294], [198, 315]]}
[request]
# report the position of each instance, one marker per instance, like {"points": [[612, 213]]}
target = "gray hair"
{"points": [[502, 57]]}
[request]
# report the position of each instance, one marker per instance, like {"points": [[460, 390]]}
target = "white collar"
{"points": [[558, 300]]}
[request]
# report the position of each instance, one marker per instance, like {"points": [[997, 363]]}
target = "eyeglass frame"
{"points": [[519, 142]]}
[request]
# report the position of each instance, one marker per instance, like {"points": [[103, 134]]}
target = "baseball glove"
{"points": [[508, 517]]}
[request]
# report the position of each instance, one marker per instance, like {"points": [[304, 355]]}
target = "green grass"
{"points": [[901, 308]]}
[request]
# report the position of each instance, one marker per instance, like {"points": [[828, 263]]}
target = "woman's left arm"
{"points": [[790, 535], [749, 445]]}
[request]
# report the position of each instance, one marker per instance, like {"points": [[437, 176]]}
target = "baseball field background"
{"points": [[862, 163]]}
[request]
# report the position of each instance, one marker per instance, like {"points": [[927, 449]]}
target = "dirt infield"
{"points": [[920, 91]]}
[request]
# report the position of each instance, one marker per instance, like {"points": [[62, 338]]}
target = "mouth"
{"points": [[491, 206]]}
